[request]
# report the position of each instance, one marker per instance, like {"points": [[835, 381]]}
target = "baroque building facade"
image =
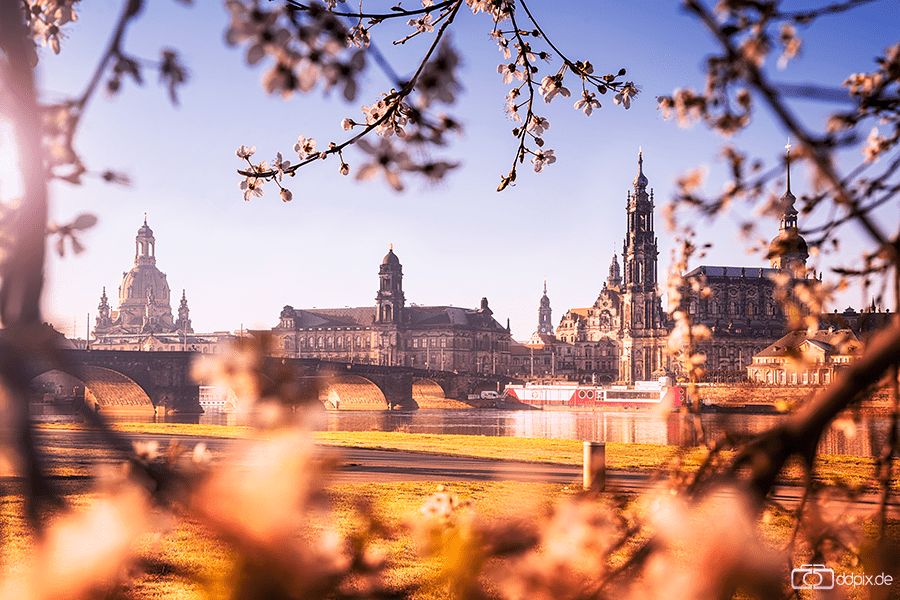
{"points": [[623, 336], [393, 333], [143, 319]]}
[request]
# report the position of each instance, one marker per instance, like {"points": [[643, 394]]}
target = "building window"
{"points": [[287, 343], [321, 342], [692, 307], [443, 342], [415, 342], [713, 308]]}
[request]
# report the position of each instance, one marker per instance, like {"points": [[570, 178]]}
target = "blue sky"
{"points": [[459, 240]]}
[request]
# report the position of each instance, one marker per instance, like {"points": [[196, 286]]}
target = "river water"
{"points": [[638, 427]]}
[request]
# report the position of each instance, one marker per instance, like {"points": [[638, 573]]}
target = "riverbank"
{"points": [[831, 469]]}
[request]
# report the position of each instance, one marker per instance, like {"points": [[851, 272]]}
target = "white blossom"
{"points": [[422, 24], [305, 147], [551, 86], [279, 165], [541, 158], [624, 96], [587, 103], [245, 152], [538, 125], [509, 71], [252, 187]]}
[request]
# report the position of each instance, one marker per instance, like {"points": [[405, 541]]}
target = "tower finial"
{"points": [[145, 218], [391, 248], [545, 286], [788, 148]]}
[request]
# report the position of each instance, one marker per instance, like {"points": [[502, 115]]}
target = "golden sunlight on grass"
{"points": [[853, 471]]}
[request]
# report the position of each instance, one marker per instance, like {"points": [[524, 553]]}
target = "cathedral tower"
{"points": [[545, 322], [390, 300], [643, 325], [639, 256]]}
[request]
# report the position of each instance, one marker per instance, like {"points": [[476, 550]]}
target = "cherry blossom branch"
{"points": [[393, 102], [812, 147], [399, 12]]}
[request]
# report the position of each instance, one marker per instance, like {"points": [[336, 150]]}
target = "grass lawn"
{"points": [[188, 563]]}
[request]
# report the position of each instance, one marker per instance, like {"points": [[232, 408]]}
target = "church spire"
{"points": [[545, 314], [614, 280], [788, 250], [184, 313]]}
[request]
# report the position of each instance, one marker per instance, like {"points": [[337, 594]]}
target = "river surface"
{"points": [[638, 427]]}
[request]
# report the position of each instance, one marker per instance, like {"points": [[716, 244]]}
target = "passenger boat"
{"points": [[642, 395]]}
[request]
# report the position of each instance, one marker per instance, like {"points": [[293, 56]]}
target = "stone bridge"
{"points": [[118, 380]]}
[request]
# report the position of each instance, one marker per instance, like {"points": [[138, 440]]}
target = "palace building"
{"points": [[393, 333]]}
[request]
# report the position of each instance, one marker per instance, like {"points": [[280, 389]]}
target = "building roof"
{"points": [[717, 271], [832, 341], [364, 316]]}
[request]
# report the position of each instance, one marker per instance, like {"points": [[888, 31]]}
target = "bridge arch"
{"points": [[105, 390], [352, 392], [428, 393]]}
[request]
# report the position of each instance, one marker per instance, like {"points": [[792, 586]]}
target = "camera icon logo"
{"points": [[812, 577]]}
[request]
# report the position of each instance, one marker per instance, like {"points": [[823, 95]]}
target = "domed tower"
{"points": [[390, 300], [789, 250], [545, 323], [143, 295]]}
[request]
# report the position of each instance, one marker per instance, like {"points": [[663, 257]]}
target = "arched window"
{"points": [[713, 307], [751, 309], [287, 343], [692, 307]]}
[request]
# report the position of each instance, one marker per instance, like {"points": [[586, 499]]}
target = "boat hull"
{"points": [[591, 397]]}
